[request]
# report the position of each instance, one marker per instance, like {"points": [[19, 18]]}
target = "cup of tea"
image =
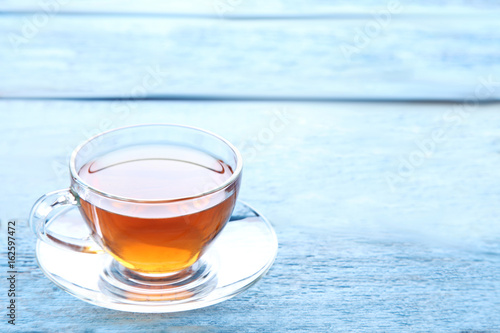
{"points": [[154, 198]]}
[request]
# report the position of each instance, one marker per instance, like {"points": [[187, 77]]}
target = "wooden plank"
{"points": [[355, 253], [237, 8], [101, 56]]}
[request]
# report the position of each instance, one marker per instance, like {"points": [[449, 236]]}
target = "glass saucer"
{"points": [[237, 259]]}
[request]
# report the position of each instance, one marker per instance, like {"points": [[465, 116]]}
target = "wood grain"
{"points": [[101, 56], [355, 253], [238, 8]]}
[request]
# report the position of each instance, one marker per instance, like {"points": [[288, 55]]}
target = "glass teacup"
{"points": [[154, 198]]}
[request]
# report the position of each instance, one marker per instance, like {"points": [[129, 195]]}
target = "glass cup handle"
{"points": [[48, 208]]}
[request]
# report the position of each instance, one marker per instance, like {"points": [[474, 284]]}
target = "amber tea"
{"points": [[139, 238]]}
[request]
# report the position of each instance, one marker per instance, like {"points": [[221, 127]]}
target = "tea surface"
{"points": [[157, 172]]}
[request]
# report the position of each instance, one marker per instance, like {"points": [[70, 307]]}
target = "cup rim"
{"points": [[77, 179]]}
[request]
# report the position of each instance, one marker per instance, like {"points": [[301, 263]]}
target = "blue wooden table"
{"points": [[381, 182]]}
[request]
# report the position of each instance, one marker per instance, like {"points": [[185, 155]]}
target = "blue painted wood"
{"points": [[387, 214], [407, 58], [381, 226], [235, 8]]}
